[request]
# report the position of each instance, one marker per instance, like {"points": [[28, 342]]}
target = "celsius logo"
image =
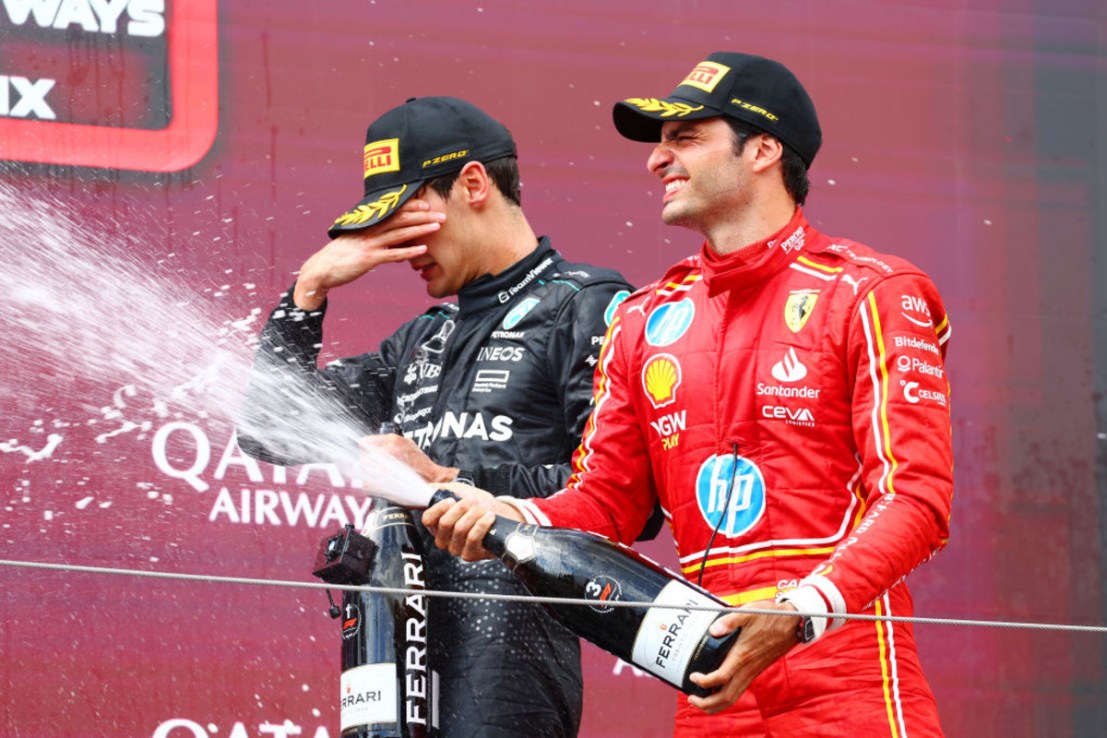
{"points": [[731, 494], [602, 588], [790, 368], [168, 99], [669, 322], [913, 393]]}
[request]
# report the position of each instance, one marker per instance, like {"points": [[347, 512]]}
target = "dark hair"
{"points": [[504, 173], [794, 170]]}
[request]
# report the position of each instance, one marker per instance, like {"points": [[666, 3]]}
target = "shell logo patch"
{"points": [[382, 156], [660, 378], [706, 75], [798, 307]]}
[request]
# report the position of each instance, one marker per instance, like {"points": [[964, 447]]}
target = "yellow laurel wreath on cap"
{"points": [[376, 209], [667, 109]]}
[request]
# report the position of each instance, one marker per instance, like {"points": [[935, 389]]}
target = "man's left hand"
{"points": [[763, 640]]}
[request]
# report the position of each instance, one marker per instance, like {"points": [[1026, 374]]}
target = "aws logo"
{"points": [[918, 306]]}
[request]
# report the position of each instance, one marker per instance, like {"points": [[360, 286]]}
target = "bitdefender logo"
{"points": [[161, 116]]}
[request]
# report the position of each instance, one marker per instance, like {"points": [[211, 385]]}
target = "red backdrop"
{"points": [[209, 155]]}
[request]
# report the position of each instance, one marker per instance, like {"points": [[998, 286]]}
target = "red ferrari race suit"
{"points": [[793, 397]]}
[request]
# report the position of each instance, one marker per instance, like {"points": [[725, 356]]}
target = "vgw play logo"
{"points": [[158, 114]]}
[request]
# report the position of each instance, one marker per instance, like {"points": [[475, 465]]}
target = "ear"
{"points": [[765, 151], [474, 184]]}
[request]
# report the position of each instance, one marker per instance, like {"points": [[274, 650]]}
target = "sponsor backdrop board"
{"points": [[166, 166]]}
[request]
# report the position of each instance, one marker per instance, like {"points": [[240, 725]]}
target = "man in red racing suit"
{"points": [[787, 403], [799, 405]]}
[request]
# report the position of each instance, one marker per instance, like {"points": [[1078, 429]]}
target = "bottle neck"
{"points": [[495, 541], [380, 503]]}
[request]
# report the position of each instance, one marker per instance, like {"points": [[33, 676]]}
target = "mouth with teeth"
{"points": [[672, 186]]}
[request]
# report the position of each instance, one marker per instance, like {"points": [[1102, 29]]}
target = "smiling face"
{"points": [[706, 182]]}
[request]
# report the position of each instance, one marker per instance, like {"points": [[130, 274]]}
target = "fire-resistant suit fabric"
{"points": [[789, 406], [499, 385]]}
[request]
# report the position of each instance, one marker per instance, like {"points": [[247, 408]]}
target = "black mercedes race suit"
{"points": [[499, 385]]}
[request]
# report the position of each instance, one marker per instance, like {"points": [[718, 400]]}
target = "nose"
{"points": [[660, 157]]}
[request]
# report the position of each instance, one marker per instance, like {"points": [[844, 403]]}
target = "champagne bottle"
{"points": [[387, 686], [667, 640]]}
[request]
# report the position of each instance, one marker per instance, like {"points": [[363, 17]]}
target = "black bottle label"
{"points": [[351, 620], [668, 636]]}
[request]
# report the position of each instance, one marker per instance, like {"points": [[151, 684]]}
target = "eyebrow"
{"points": [[677, 130]]}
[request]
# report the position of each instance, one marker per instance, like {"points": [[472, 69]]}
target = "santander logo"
{"points": [[790, 368]]}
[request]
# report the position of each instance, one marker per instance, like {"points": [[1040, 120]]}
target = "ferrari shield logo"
{"points": [[798, 309]]}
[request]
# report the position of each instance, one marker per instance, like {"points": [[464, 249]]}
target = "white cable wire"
{"points": [[546, 600]]}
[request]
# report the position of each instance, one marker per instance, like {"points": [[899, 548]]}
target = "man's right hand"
{"points": [[459, 526], [353, 254]]}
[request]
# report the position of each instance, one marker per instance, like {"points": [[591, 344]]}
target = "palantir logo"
{"points": [[731, 494], [790, 368]]}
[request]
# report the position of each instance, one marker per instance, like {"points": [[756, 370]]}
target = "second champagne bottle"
{"points": [[668, 639]]}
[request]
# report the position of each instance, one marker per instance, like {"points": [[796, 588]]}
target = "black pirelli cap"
{"points": [[753, 89], [422, 139]]}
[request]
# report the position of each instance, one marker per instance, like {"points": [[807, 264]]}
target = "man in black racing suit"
{"points": [[494, 390]]}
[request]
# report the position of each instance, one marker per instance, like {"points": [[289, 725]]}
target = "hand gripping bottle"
{"points": [[667, 639]]}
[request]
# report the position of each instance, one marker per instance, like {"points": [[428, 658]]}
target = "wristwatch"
{"points": [[805, 631], [807, 600]]}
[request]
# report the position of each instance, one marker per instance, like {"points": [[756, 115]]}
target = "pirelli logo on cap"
{"points": [[382, 156], [706, 75]]}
